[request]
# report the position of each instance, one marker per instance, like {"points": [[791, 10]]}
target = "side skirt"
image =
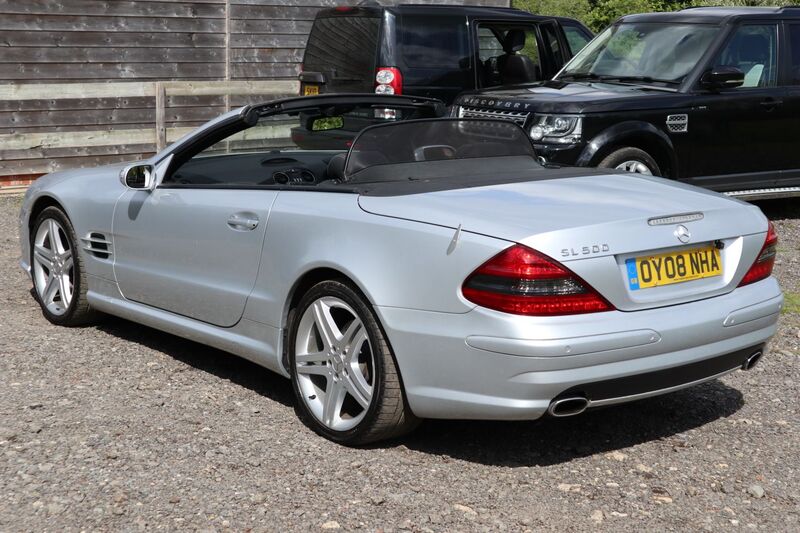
{"points": [[252, 340]]}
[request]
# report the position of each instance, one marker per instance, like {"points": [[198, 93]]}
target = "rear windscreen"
{"points": [[344, 48]]}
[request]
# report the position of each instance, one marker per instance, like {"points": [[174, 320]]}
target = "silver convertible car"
{"points": [[398, 265]]}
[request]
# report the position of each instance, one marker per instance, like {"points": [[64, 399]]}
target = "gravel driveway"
{"points": [[123, 427]]}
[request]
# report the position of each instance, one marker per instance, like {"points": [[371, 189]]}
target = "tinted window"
{"points": [[344, 48], [753, 49], [434, 42], [576, 38], [550, 36], [794, 39]]}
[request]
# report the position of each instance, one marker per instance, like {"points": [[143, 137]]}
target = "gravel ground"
{"points": [[122, 427]]}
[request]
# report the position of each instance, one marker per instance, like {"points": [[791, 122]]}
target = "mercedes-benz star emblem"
{"points": [[682, 233]]}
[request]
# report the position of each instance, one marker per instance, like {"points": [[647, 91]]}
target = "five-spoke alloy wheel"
{"points": [[57, 271], [343, 371]]}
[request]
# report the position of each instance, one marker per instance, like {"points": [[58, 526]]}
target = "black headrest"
{"points": [[336, 166], [514, 41]]}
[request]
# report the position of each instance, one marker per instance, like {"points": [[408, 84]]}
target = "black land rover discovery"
{"points": [[433, 50], [710, 96]]}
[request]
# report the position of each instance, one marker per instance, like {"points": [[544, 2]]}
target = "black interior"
{"points": [[264, 168]]}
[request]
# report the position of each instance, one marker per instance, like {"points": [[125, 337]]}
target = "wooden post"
{"points": [[161, 116]]}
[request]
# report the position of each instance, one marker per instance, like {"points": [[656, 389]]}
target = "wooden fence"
{"points": [[87, 82], [119, 121]]}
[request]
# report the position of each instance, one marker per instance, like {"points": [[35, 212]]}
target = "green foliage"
{"points": [[791, 304], [329, 123], [597, 14]]}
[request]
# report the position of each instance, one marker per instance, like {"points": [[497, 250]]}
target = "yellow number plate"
{"points": [[664, 269], [310, 90]]}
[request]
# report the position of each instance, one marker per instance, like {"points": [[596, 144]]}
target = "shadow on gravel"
{"points": [[780, 209], [553, 441], [222, 364]]}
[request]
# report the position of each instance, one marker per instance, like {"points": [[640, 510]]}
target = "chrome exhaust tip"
{"points": [[752, 360], [571, 406]]}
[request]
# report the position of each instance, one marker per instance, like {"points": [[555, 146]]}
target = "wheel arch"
{"points": [[40, 204], [301, 286], [635, 134]]}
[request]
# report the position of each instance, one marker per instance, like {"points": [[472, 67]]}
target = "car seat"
{"points": [[514, 67]]}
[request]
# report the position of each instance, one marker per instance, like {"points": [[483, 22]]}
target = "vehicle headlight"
{"points": [[561, 129]]}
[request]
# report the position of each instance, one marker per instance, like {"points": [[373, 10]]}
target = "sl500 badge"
{"points": [[585, 250]]}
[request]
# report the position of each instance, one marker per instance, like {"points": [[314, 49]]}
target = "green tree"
{"points": [[597, 14], [577, 9]]}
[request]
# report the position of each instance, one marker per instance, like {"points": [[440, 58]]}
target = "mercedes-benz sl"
{"points": [[398, 265]]}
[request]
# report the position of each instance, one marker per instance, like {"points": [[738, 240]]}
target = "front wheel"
{"points": [[632, 160], [59, 279], [344, 377]]}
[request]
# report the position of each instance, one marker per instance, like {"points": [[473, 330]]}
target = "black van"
{"points": [[434, 51]]}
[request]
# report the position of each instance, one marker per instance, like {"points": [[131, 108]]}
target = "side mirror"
{"points": [[138, 177], [722, 78]]}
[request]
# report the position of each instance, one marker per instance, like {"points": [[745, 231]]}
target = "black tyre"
{"points": [[59, 279], [343, 371], [631, 160]]}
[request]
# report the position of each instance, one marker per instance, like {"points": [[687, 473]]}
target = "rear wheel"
{"points": [[632, 160], [59, 280], [344, 376]]}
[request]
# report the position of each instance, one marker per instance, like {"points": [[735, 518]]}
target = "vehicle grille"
{"points": [[476, 112]]}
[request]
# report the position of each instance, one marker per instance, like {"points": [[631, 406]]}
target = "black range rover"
{"points": [[710, 96]]}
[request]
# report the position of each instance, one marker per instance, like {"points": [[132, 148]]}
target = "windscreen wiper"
{"points": [[645, 79]]}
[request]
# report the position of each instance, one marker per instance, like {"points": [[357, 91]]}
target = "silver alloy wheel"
{"points": [[637, 167], [334, 363], [53, 267]]}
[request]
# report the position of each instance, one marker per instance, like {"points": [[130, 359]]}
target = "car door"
{"points": [[192, 244], [191, 251], [791, 113], [737, 131]]}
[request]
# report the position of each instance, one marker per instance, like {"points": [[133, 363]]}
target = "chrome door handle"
{"points": [[242, 222]]}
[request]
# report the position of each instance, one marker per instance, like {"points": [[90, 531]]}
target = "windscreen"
{"points": [[648, 51], [425, 141]]}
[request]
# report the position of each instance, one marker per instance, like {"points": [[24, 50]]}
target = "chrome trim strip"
{"points": [[649, 394]]}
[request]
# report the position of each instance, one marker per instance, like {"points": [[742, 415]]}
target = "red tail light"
{"points": [[388, 80], [762, 268], [522, 281]]}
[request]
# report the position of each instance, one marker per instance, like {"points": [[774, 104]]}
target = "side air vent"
{"points": [[97, 245]]}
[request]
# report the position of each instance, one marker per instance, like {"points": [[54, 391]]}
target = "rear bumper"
{"points": [[488, 365]]}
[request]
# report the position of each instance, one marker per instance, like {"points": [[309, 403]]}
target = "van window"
{"points": [[434, 42], [576, 38], [344, 48], [794, 41], [497, 44], [753, 49]]}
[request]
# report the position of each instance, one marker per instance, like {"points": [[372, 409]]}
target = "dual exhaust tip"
{"points": [[575, 405]]}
